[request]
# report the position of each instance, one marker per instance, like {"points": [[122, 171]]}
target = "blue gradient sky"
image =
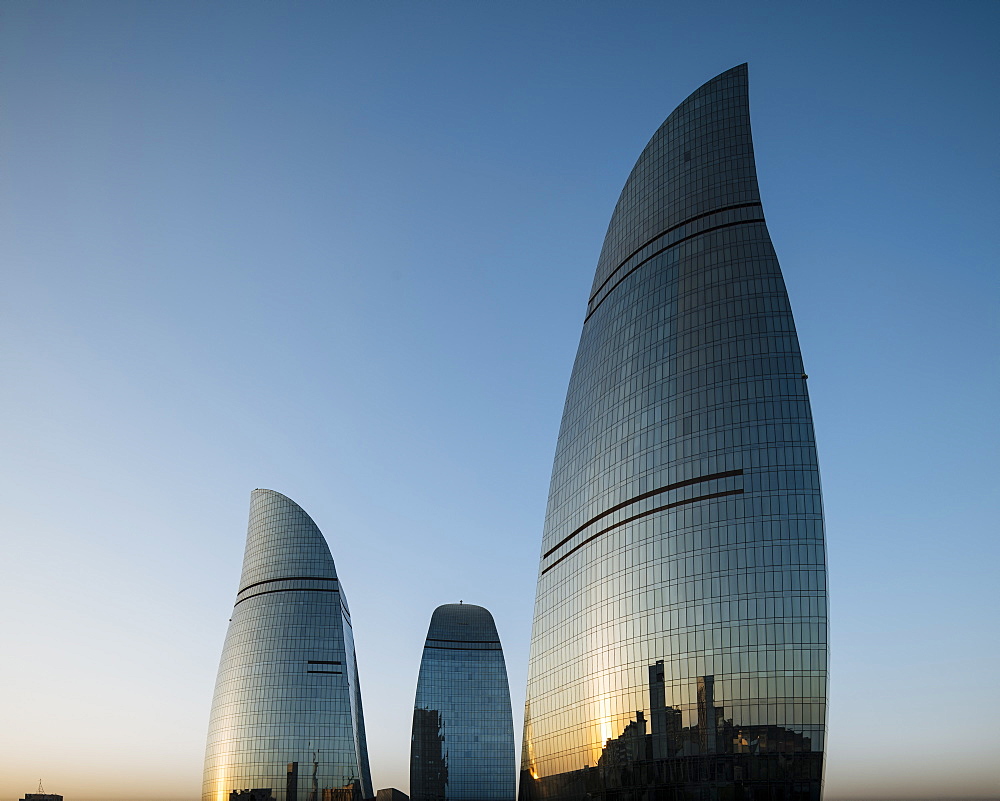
{"points": [[342, 250]]}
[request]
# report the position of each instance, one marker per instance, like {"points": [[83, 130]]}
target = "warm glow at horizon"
{"points": [[347, 251]]}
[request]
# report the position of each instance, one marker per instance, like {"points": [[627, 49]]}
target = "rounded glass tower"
{"points": [[286, 719], [679, 639], [463, 736]]}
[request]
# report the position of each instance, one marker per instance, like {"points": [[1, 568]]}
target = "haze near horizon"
{"points": [[342, 251]]}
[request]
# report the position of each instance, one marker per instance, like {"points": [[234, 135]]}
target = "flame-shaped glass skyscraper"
{"points": [[286, 718], [463, 736], [679, 640]]}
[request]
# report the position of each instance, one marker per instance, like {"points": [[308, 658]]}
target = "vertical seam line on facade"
{"points": [[665, 488], [671, 229], [662, 250], [577, 547]]}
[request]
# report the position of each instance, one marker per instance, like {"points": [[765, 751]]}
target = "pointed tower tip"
{"points": [[283, 541], [669, 186], [273, 497], [740, 71], [265, 491]]}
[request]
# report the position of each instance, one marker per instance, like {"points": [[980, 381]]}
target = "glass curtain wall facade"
{"points": [[463, 734], [679, 638], [286, 722]]}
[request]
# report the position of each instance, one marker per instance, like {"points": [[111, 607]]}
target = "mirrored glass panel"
{"points": [[463, 735], [679, 644], [286, 722]]}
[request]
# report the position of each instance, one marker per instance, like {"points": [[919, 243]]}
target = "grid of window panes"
{"points": [[462, 747], [286, 720], [679, 641]]}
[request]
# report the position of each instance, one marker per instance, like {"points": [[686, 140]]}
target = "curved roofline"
{"points": [[464, 606], [641, 214], [265, 491]]}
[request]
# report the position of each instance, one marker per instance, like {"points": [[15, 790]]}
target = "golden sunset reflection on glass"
{"points": [[345, 250], [287, 721], [682, 585]]}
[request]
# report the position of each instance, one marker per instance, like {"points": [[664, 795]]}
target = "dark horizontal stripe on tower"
{"points": [[467, 647], [666, 248], [290, 578], [321, 662], [578, 546], [666, 488], [443, 639], [670, 230], [289, 589]]}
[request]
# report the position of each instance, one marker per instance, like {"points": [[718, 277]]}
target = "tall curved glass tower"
{"points": [[679, 640], [463, 735], [286, 719]]}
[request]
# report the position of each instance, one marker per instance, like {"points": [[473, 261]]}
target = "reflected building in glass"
{"points": [[463, 735], [679, 640], [286, 721]]}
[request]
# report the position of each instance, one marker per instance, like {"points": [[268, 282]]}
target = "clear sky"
{"points": [[342, 251]]}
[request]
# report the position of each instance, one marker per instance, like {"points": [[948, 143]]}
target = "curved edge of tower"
{"points": [[679, 640], [286, 721]]}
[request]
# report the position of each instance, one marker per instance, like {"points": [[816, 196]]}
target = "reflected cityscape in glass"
{"points": [[679, 642], [286, 721], [679, 639], [462, 747]]}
